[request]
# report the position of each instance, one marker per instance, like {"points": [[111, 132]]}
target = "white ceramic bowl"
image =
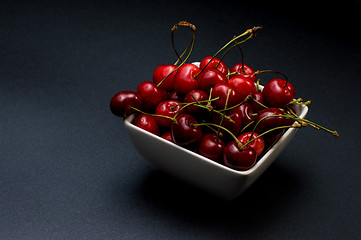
{"points": [[200, 171]]}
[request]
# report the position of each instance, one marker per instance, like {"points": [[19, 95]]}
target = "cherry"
{"points": [[185, 132], [211, 146], [278, 92], [167, 108], [246, 112], [244, 86], [215, 62], [266, 121], [163, 71], [221, 90], [237, 158], [151, 95], [173, 95], [210, 78], [184, 80], [234, 126], [259, 98], [167, 136], [147, 123], [122, 101], [199, 95], [245, 71], [258, 144]]}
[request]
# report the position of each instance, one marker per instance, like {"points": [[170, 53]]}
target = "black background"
{"points": [[69, 171]]}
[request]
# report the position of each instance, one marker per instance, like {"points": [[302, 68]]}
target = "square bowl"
{"points": [[200, 171]]}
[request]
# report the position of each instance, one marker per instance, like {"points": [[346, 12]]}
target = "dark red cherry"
{"points": [[234, 126], [122, 101], [199, 95], [184, 80], [246, 72], [239, 159], [151, 95], [211, 146], [221, 91], [259, 98], [244, 86], [167, 136], [210, 78], [163, 71], [278, 92], [246, 111], [185, 132], [147, 123], [266, 121], [258, 144], [221, 67], [167, 108]]}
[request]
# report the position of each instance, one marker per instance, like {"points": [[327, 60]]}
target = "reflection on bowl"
{"points": [[200, 171]]}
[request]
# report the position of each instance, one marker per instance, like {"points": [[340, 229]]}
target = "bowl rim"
{"points": [[303, 111]]}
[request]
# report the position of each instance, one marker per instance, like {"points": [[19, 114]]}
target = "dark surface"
{"points": [[68, 170]]}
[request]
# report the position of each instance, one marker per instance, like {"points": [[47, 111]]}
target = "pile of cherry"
{"points": [[219, 113]]}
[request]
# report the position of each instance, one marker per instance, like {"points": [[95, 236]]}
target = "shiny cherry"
{"points": [[184, 80], [211, 146], [258, 144], [209, 78], [199, 95], [259, 98], [245, 71], [221, 91], [244, 86], [122, 101], [167, 108], [278, 92], [163, 71], [237, 158], [167, 136], [147, 123], [265, 123], [185, 132], [234, 126], [221, 67], [246, 112], [151, 95]]}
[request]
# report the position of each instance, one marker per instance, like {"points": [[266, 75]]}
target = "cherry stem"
{"points": [[155, 115], [273, 71], [173, 30], [221, 127], [238, 104], [192, 27], [251, 31]]}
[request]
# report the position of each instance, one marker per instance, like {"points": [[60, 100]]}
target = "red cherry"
{"points": [[151, 95], [221, 67], [278, 92], [163, 71], [173, 95], [246, 112], [184, 80], [167, 136], [270, 122], [122, 101], [210, 78], [147, 123], [167, 108], [258, 97], [221, 91], [211, 146], [238, 159], [247, 72], [258, 144], [185, 133], [244, 86], [234, 126], [199, 95]]}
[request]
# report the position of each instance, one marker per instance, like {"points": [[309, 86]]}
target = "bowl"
{"points": [[200, 171]]}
